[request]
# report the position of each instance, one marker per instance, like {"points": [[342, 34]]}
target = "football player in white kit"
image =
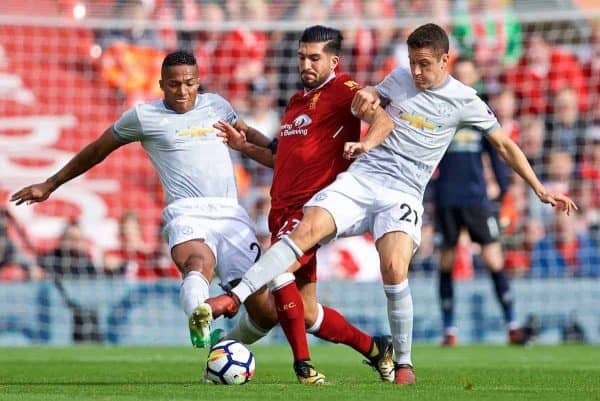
{"points": [[382, 191], [208, 231]]}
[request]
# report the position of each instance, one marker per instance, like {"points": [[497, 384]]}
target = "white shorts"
{"points": [[359, 205], [223, 225]]}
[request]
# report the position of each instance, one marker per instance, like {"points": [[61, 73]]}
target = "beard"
{"points": [[312, 83]]}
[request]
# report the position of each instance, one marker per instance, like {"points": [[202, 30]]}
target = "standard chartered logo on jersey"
{"points": [[298, 127]]}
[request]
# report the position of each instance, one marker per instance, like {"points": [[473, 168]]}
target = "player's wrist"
{"points": [[367, 144], [541, 193], [53, 182]]}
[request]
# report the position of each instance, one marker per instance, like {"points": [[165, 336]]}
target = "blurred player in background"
{"points": [[461, 202], [307, 156], [382, 190], [207, 229]]}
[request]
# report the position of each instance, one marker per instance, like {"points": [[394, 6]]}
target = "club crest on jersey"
{"points": [[444, 109], [314, 100], [418, 121], [321, 196]]}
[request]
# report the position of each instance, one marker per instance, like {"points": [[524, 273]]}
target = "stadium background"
{"points": [[70, 68]]}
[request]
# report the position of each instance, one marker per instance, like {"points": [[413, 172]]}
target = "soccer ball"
{"points": [[229, 362]]}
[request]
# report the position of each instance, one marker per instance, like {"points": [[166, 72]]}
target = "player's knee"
{"points": [[307, 234], [394, 271], [197, 262], [492, 257], [447, 258], [303, 232], [310, 310]]}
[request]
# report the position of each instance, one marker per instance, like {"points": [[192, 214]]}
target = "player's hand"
{"points": [[365, 100], [354, 149], [561, 201], [33, 193], [231, 136]]}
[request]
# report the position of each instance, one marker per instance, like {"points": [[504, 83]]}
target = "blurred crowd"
{"points": [[543, 84]]}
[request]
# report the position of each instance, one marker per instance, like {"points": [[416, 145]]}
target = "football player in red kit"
{"points": [[307, 156]]}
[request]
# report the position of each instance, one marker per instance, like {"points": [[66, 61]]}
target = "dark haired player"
{"points": [[307, 156], [208, 231], [382, 190]]}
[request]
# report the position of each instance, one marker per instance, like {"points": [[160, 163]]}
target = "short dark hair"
{"points": [[178, 57], [429, 35], [320, 33]]}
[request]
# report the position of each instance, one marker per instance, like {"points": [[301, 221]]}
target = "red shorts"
{"points": [[282, 222]]}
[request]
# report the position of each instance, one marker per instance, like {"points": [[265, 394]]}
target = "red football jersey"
{"points": [[314, 128]]}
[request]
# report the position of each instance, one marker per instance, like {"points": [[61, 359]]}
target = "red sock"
{"points": [[290, 311], [337, 329]]}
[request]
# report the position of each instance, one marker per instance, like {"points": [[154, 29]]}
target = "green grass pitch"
{"points": [[172, 373]]}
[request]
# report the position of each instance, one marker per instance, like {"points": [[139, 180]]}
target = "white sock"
{"points": [[400, 315], [317, 324], [276, 260], [194, 290], [281, 281], [246, 331]]}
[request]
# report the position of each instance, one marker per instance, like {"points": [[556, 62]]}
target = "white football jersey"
{"points": [[424, 123], [192, 162]]}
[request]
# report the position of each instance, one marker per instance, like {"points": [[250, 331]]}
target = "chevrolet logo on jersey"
{"points": [[195, 132], [418, 121]]}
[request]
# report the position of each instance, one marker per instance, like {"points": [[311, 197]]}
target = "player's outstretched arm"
{"points": [[247, 140], [515, 158], [252, 134], [87, 158]]}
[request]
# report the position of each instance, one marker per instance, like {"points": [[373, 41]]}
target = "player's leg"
{"points": [[395, 252], [493, 259], [330, 325], [196, 261], [291, 311], [446, 295], [255, 323], [448, 228], [483, 229], [316, 225], [287, 298]]}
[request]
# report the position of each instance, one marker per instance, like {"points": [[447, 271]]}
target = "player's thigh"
{"points": [[261, 308], [343, 205], [191, 240], [447, 226], [396, 211], [395, 253], [194, 255], [283, 222], [481, 224], [237, 246], [316, 225]]}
